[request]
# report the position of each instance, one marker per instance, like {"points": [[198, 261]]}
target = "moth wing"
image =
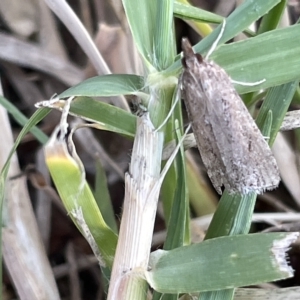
{"points": [[210, 155], [248, 161], [197, 103]]}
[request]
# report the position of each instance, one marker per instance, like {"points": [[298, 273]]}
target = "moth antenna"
{"points": [[248, 83], [215, 43]]}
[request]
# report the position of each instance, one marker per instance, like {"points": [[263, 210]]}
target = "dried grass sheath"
{"points": [[142, 185]]}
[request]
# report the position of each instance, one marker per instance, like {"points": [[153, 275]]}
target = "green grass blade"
{"points": [[277, 100], [164, 43], [244, 15], [224, 219], [168, 191], [102, 197], [179, 213], [106, 85], [271, 20], [141, 16], [177, 222], [202, 199], [266, 129], [190, 12], [247, 13], [106, 116], [20, 118], [257, 58], [221, 263], [66, 173]]}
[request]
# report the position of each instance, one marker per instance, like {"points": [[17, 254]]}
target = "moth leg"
{"points": [[215, 43], [248, 83]]}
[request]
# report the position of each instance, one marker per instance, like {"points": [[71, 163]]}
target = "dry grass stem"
{"points": [[140, 205]]}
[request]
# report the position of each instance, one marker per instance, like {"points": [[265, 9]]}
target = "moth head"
{"points": [[189, 56]]}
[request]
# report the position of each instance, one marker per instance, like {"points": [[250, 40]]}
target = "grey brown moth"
{"points": [[231, 146]]}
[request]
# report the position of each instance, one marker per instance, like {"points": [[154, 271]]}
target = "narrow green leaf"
{"points": [[270, 21], [245, 14], [141, 16], [202, 199], [23, 120], [221, 263], [67, 175], [102, 197], [106, 116], [278, 100], [257, 58], [266, 128], [106, 85], [218, 295], [225, 219], [179, 218], [190, 12], [164, 44], [242, 17], [167, 190], [177, 221]]}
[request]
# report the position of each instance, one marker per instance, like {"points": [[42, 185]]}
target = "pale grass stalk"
{"points": [[141, 196]]}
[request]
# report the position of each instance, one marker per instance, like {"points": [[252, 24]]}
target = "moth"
{"points": [[232, 148]]}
